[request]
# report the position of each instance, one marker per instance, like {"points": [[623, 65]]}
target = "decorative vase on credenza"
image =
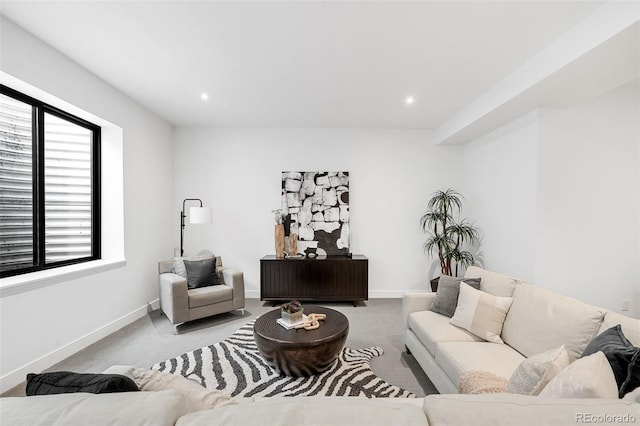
{"points": [[279, 240]]}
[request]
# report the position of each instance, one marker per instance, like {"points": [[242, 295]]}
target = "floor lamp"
{"points": [[196, 215]]}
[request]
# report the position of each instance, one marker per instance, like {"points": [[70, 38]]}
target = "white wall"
{"points": [[569, 218], [500, 171], [237, 173], [43, 324], [588, 205]]}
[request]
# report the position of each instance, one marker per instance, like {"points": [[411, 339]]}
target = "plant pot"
{"points": [[291, 318], [434, 284]]}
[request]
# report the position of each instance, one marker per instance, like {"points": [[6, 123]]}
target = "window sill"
{"points": [[27, 282]]}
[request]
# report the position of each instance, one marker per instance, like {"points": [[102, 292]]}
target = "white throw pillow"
{"points": [[123, 370], [533, 374], [633, 396], [587, 377], [481, 313], [199, 397]]}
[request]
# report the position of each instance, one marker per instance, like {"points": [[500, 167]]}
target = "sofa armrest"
{"points": [[174, 297], [235, 279], [511, 409], [414, 301]]}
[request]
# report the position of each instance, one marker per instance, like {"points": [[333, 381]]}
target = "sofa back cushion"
{"points": [[630, 326], [540, 320], [162, 408], [493, 282], [315, 410]]}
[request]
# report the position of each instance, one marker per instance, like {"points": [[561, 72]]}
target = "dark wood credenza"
{"points": [[328, 279]]}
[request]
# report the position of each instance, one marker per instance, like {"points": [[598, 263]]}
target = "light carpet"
{"points": [[236, 367]]}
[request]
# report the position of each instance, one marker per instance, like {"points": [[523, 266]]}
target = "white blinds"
{"points": [[67, 187], [16, 185], [67, 195]]}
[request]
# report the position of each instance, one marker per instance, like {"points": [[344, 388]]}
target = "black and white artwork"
{"points": [[316, 209]]}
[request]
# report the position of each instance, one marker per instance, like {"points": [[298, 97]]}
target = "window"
{"points": [[49, 186]]}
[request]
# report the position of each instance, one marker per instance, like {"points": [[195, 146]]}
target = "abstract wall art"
{"points": [[316, 210]]}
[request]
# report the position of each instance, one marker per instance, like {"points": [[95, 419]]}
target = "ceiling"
{"points": [[300, 63]]}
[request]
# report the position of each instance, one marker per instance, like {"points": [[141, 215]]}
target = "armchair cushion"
{"points": [[204, 296], [201, 273]]}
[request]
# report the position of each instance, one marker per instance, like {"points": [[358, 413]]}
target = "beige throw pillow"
{"points": [[633, 396], [481, 313], [587, 377], [199, 397], [533, 374]]}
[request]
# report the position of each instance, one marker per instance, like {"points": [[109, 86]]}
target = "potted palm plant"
{"points": [[446, 235]]}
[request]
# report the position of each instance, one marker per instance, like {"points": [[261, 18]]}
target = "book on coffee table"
{"points": [[290, 325]]}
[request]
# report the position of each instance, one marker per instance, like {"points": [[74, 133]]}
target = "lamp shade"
{"points": [[200, 215]]}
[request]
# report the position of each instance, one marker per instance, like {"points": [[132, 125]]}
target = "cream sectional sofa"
{"points": [[538, 320], [170, 407]]}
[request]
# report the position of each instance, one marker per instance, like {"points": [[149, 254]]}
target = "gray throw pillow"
{"points": [[178, 263], [57, 382], [201, 273], [446, 299], [623, 357]]}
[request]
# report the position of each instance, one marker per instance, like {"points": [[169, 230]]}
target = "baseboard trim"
{"points": [[17, 376], [377, 294]]}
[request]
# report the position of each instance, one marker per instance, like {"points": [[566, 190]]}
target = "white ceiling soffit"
{"points": [[299, 63], [598, 55]]}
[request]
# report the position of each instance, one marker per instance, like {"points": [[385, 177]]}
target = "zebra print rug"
{"points": [[236, 367]]}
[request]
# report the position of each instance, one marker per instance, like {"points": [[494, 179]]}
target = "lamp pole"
{"points": [[182, 217]]}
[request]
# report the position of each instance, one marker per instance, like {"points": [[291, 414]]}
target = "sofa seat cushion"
{"points": [[110, 409], [431, 328], [311, 411], [205, 296], [456, 357], [540, 320]]}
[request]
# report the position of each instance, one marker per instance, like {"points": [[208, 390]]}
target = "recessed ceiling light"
{"points": [[409, 100], [204, 96]]}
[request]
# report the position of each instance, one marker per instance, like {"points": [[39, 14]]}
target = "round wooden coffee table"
{"points": [[300, 352]]}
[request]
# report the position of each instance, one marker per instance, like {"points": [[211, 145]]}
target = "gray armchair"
{"points": [[181, 304]]}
